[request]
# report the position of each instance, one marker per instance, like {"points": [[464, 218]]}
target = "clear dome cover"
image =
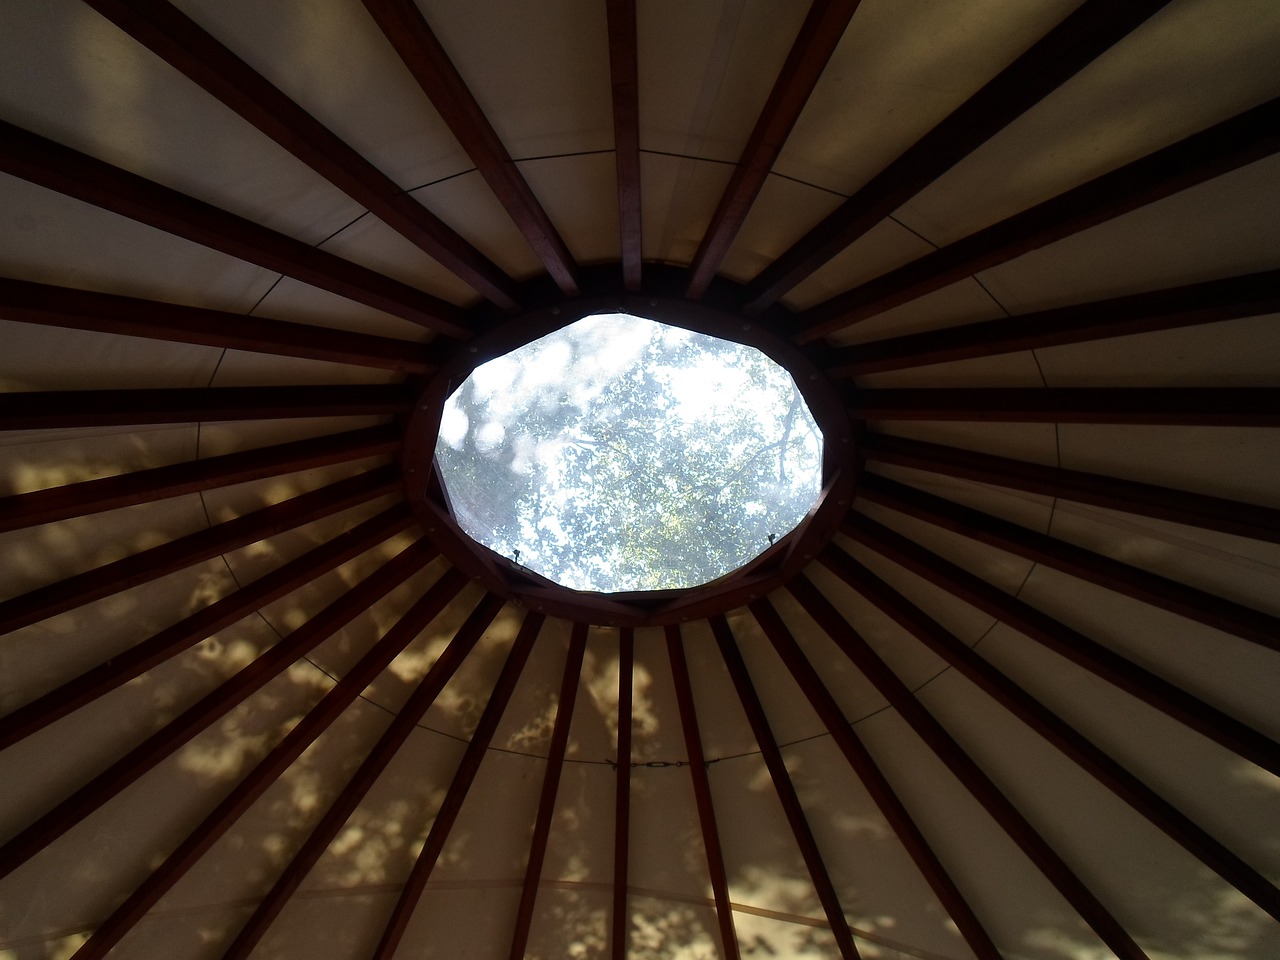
{"points": [[622, 454]]}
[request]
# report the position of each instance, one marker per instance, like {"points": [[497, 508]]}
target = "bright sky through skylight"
{"points": [[622, 454]]}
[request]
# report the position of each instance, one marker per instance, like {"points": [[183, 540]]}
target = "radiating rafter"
{"points": [[622, 795], [182, 552], [1093, 28], [381, 755], [1152, 406], [208, 709], [54, 306], [816, 41], [881, 791], [158, 483], [413, 39], [49, 164], [962, 766], [1059, 638], [270, 767], [55, 409], [1100, 660], [1161, 592], [784, 788], [625, 83], [702, 792], [205, 622], [1113, 493], [1224, 147], [547, 797], [1090, 758], [1213, 301], [177, 39]]}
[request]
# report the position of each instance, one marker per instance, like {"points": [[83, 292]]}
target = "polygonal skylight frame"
{"points": [[621, 454], [508, 578]]}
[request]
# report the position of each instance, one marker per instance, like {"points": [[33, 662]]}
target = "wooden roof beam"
{"points": [[624, 78], [1078, 748], [270, 767], [622, 794], [702, 792], [159, 483], [57, 409], [1151, 406], [1202, 156], [208, 709], [816, 41], [784, 788], [181, 42], [547, 797], [122, 667], [1099, 660], [1092, 29], [49, 164], [1161, 592], [409, 33], [180, 553], [54, 306], [378, 758], [1142, 499], [1214, 301], [875, 782], [962, 766]]}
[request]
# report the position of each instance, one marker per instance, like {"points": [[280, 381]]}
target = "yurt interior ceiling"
{"points": [[1010, 691]]}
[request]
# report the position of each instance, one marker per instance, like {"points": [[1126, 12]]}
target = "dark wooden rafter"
{"points": [[1213, 301], [622, 794], [49, 164], [1152, 406], [962, 766], [174, 37], [702, 792], [784, 788], [1100, 765], [1161, 592], [1071, 644], [54, 306], [182, 552], [1093, 28], [120, 669], [54, 409], [217, 703], [382, 754], [814, 44], [158, 483], [1219, 149], [413, 39], [877, 785], [624, 76], [1113, 493], [270, 767], [550, 786]]}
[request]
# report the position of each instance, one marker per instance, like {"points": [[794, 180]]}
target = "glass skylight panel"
{"points": [[622, 454]]}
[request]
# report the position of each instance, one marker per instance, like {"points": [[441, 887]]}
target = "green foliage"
{"points": [[623, 454]]}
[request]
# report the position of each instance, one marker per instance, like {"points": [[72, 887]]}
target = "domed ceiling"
{"points": [[1011, 691]]}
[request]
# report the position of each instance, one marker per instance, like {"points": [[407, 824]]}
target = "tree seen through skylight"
{"points": [[622, 454]]}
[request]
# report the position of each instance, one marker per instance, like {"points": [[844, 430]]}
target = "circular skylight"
{"points": [[621, 454]]}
